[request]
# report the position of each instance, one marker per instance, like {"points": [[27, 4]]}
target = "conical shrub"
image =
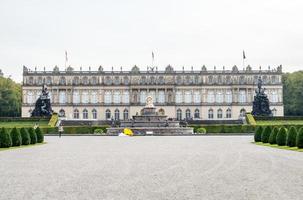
{"points": [[281, 136], [291, 137], [265, 134], [258, 134], [16, 137], [300, 138], [32, 135], [5, 138], [26, 140], [40, 136], [273, 136]]}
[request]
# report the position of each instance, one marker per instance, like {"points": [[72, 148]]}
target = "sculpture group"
{"points": [[43, 105], [261, 102]]}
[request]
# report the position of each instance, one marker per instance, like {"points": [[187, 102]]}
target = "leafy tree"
{"points": [[281, 136], [291, 137], [40, 136], [5, 139], [300, 138], [16, 137], [273, 135], [32, 135], [265, 134], [26, 140], [258, 134]]}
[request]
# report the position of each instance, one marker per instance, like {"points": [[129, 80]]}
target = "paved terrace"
{"points": [[206, 167]]}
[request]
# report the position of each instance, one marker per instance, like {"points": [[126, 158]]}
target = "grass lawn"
{"points": [[280, 122], [279, 147], [25, 124], [23, 146]]}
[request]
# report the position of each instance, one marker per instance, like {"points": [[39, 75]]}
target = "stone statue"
{"points": [[149, 102], [43, 105], [261, 102]]}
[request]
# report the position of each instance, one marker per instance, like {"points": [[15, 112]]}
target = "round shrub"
{"points": [[98, 131], [5, 139], [300, 138], [16, 137], [32, 135], [26, 140], [258, 134], [291, 137], [281, 136], [40, 136], [265, 134], [201, 131], [273, 135]]}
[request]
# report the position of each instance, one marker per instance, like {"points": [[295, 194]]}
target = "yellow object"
{"points": [[53, 120], [128, 132]]}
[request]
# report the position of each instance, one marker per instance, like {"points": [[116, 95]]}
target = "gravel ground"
{"points": [[206, 167]]}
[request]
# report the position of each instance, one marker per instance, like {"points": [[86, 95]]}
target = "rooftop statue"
{"points": [[43, 105], [261, 102]]}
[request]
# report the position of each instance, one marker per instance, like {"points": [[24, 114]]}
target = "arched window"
{"points": [[274, 112], [197, 114], [228, 113], [219, 97], [161, 96], [143, 96], [161, 80], [187, 114], [107, 114], [117, 97], [62, 113], [76, 81], [117, 80], [125, 114], [62, 97], [84, 97], [94, 113], [85, 80], [179, 80], [117, 114], [179, 114], [242, 112], [108, 97], [242, 96], [274, 97], [76, 114], [94, 98], [219, 114], [179, 97], [48, 80], [188, 97], [197, 97], [228, 96], [76, 96], [62, 81], [125, 98], [30, 97], [126, 80], [210, 97], [85, 114], [210, 114], [94, 81]]}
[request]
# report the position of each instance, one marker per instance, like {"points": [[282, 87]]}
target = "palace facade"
{"points": [[184, 94]]}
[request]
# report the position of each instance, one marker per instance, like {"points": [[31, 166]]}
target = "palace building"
{"points": [[184, 94]]}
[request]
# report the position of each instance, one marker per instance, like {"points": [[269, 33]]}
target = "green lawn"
{"points": [[20, 124], [21, 147], [280, 122], [279, 147]]}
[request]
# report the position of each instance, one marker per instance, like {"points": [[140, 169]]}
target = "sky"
{"points": [[124, 33]]}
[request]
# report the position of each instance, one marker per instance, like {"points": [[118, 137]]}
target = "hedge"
{"points": [[258, 134], [291, 137], [5, 138], [281, 136], [273, 136], [26, 140], [201, 131], [265, 134], [40, 136], [300, 138], [16, 137], [32, 135]]}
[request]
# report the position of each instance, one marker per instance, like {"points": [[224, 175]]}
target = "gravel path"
{"points": [[206, 167]]}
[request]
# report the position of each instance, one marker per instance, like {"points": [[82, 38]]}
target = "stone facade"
{"points": [[192, 94]]}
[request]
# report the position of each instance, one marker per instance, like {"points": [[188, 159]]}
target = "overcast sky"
{"points": [[125, 32]]}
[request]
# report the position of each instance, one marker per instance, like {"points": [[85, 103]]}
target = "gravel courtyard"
{"points": [[205, 167]]}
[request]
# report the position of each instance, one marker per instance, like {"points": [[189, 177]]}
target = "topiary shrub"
{"points": [[273, 136], [281, 136], [26, 140], [201, 131], [32, 135], [40, 136], [5, 139], [291, 137], [299, 141], [16, 137], [258, 134], [98, 131], [265, 134]]}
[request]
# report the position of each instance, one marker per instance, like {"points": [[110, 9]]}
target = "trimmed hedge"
{"points": [[40, 136], [258, 134], [300, 138], [265, 134], [26, 140], [291, 137], [5, 138], [16, 137], [32, 135], [273, 136], [281, 136], [201, 131]]}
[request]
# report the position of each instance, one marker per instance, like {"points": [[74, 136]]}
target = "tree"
{"points": [[265, 134], [32, 135], [10, 98], [40, 136], [291, 137], [281, 136], [5, 139], [16, 137], [26, 140], [300, 138], [258, 134], [273, 135]]}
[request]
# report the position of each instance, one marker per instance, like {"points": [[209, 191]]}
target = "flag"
{"points": [[153, 55], [66, 56], [244, 57]]}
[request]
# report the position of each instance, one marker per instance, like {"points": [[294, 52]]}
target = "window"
{"points": [[31, 80], [210, 97], [142, 96], [219, 97], [210, 114], [84, 97], [94, 113], [126, 80], [61, 113], [62, 97], [85, 114], [76, 81], [274, 112], [143, 80], [242, 96], [76, 97], [94, 81], [30, 97], [179, 80], [188, 98], [210, 80], [219, 114], [179, 98], [274, 97], [161, 80], [108, 80], [161, 96], [108, 97], [197, 114], [85, 80], [117, 97], [242, 112], [187, 114], [94, 98], [48, 80], [107, 114], [125, 98], [125, 114], [179, 114], [228, 113], [62, 81], [76, 114], [117, 114], [197, 97], [117, 80], [228, 97]]}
